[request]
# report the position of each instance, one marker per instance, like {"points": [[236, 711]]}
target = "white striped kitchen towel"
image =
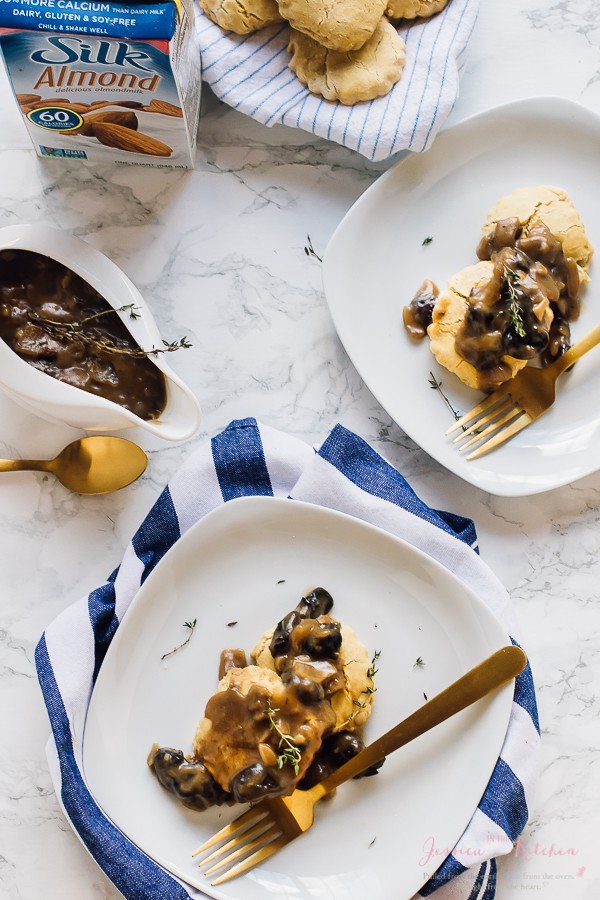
{"points": [[344, 474], [251, 73]]}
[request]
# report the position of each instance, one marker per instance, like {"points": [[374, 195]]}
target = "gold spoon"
{"points": [[91, 465]]}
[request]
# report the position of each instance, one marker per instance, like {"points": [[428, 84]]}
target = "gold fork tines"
{"points": [[504, 419], [252, 861], [253, 837], [489, 423], [487, 405], [237, 827], [516, 404], [501, 434], [253, 851]]}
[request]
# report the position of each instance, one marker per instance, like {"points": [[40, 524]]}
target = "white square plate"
{"points": [[248, 563], [376, 260]]}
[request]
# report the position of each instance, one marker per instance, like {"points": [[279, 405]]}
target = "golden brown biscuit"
{"points": [[336, 24], [352, 704], [242, 16], [556, 210], [448, 316], [351, 77], [414, 9]]}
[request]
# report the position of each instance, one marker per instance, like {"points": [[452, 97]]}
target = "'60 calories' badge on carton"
{"points": [[56, 118]]}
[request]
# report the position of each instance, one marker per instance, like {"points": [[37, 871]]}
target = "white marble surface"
{"points": [[219, 254]]}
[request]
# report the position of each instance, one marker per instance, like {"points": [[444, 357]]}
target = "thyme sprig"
{"points": [[76, 332], [310, 250], [289, 752], [191, 626], [373, 670], [437, 386], [370, 688], [514, 309]]}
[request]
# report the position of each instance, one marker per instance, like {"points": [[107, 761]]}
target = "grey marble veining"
{"points": [[220, 255]]}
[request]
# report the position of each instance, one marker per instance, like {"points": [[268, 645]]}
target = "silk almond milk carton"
{"points": [[105, 82]]}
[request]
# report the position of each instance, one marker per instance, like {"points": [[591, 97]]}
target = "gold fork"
{"points": [[517, 403], [267, 827]]}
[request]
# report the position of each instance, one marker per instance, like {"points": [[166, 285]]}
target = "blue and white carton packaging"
{"points": [[104, 81]]}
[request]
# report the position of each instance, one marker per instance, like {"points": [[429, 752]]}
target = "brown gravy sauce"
{"points": [[506, 315], [35, 292], [307, 661], [243, 754], [253, 755]]}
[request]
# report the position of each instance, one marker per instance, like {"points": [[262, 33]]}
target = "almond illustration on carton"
{"points": [[27, 99], [50, 101], [98, 104], [130, 104], [77, 107], [162, 106], [126, 139], [124, 118]]}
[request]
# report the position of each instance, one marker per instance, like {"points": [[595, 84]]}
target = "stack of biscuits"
{"points": [[343, 50]]}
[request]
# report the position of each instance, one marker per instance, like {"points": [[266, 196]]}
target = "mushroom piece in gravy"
{"points": [[189, 780], [417, 315], [58, 323]]}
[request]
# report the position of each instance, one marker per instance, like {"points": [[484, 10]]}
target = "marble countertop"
{"points": [[219, 253]]}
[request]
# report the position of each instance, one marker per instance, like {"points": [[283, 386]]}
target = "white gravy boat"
{"points": [[61, 402]]}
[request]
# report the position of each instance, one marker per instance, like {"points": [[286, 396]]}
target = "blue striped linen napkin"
{"points": [[251, 73], [344, 474]]}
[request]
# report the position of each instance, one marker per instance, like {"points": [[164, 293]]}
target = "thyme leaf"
{"points": [[437, 386], [289, 752], [191, 626], [370, 688], [372, 670], [310, 250], [426, 241], [514, 309], [419, 663]]}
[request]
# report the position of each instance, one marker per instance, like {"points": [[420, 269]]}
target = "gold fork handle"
{"points": [[24, 465], [576, 351], [493, 672]]}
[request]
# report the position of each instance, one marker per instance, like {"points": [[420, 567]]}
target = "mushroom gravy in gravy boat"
{"points": [[75, 380]]}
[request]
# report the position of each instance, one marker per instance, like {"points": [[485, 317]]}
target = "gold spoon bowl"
{"points": [[91, 465]]}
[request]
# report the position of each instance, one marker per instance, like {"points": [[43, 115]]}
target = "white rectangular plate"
{"points": [[376, 261], [248, 563]]}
